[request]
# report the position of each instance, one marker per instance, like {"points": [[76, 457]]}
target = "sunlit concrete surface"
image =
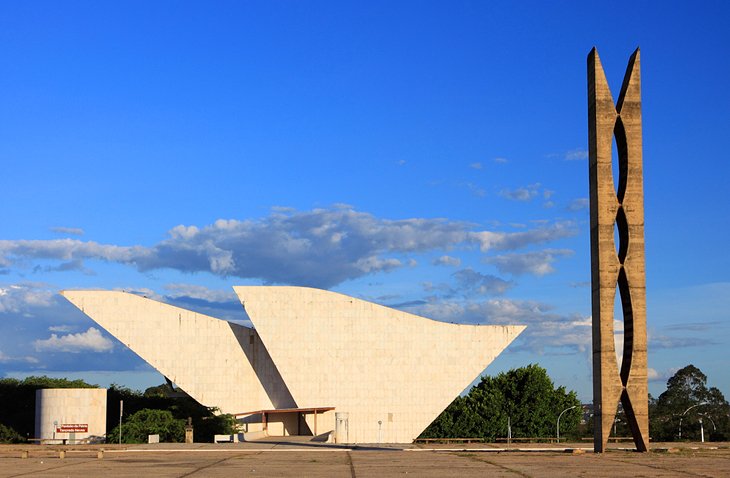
{"points": [[391, 372], [218, 363], [617, 252], [297, 459], [387, 373], [58, 410]]}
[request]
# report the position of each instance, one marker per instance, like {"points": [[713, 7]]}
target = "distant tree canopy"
{"points": [[688, 399], [525, 396], [17, 407]]}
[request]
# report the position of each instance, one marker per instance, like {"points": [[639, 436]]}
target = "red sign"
{"points": [[73, 428]]}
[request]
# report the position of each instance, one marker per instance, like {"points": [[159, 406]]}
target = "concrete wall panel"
{"points": [[55, 407]]}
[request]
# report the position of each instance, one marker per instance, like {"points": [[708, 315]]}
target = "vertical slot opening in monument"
{"points": [[628, 322], [618, 328], [619, 427], [619, 159], [621, 235], [614, 165]]}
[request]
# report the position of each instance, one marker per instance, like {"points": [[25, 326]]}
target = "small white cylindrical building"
{"points": [[70, 415]]}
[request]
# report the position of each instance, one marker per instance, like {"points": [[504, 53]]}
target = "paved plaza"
{"points": [[302, 459]]}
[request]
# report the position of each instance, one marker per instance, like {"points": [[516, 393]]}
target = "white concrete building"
{"points": [[70, 415], [314, 358]]}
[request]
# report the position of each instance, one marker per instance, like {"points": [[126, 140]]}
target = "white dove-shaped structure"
{"points": [[315, 360]]}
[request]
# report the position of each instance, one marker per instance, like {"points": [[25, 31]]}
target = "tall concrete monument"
{"points": [[617, 252]]}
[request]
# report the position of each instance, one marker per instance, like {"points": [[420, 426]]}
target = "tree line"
{"points": [[522, 402]]}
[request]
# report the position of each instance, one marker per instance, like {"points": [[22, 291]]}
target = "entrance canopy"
{"points": [[298, 411]]}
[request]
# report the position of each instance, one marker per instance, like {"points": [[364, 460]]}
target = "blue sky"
{"points": [[426, 155]]}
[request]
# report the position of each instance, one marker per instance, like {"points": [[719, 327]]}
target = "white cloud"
{"points": [[660, 376], [538, 263], [200, 292], [576, 154], [67, 250], [18, 297], [501, 160], [509, 241], [61, 328], [73, 231], [546, 330], [320, 248], [471, 281], [476, 165], [91, 340], [72, 265], [4, 358], [667, 342], [447, 261], [578, 204], [525, 193]]}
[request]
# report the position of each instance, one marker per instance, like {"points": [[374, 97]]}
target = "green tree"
{"points": [[526, 397], [8, 435], [142, 423], [17, 400], [688, 399], [207, 422]]}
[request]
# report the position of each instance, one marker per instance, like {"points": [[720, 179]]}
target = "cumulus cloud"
{"points": [[73, 231], [67, 250], [90, 341], [200, 292], [19, 297], [525, 193], [578, 204], [471, 281], [320, 248], [546, 329], [447, 261], [537, 263], [654, 375], [509, 241], [72, 265]]}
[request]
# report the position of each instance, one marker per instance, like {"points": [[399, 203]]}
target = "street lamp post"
{"points": [[557, 428], [683, 414], [121, 408], [702, 431], [714, 428]]}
